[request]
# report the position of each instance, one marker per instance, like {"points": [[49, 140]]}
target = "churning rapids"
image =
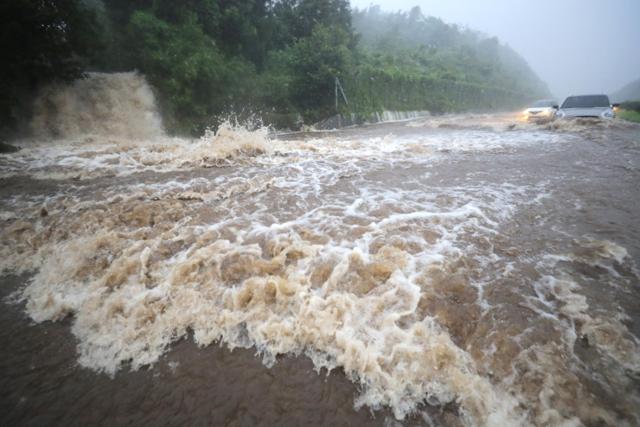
{"points": [[454, 270]]}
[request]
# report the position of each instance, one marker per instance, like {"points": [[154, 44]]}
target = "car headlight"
{"points": [[608, 114], [560, 114]]}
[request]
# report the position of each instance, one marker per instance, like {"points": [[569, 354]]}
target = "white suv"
{"points": [[587, 106]]}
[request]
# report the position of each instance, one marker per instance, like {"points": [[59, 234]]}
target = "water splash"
{"points": [[114, 105]]}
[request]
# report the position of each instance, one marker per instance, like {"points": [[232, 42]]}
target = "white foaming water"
{"points": [[94, 157], [233, 145], [395, 116], [342, 293], [108, 124], [109, 105], [341, 249], [507, 122], [561, 298]]}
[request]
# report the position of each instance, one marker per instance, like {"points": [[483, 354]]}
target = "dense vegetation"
{"points": [[40, 42], [422, 63], [629, 115], [630, 111], [631, 105], [276, 58]]}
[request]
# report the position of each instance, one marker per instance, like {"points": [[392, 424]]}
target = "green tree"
{"points": [[41, 41], [315, 63], [195, 79], [298, 18]]}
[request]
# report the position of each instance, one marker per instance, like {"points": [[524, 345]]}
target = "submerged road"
{"points": [[455, 270]]}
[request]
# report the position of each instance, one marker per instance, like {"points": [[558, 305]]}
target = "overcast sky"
{"points": [[576, 46]]}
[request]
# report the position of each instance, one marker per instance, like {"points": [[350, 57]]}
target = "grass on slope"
{"points": [[630, 115]]}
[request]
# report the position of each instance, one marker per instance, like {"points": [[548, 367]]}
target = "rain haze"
{"points": [[575, 46]]}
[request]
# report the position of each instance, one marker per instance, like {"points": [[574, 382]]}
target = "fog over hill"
{"points": [[426, 45], [576, 46], [630, 92]]}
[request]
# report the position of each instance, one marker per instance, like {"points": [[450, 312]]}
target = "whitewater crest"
{"points": [[109, 124], [146, 269], [101, 104]]}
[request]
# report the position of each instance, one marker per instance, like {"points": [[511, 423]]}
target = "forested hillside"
{"points": [[274, 58], [410, 61]]}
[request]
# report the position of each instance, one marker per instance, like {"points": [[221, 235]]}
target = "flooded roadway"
{"points": [[459, 270]]}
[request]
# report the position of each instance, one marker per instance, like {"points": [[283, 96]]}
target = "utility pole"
{"points": [[337, 86]]}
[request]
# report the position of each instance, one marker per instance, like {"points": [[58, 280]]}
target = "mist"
{"points": [[575, 46]]}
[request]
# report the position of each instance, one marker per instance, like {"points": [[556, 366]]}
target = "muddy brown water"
{"points": [[468, 270], [42, 384]]}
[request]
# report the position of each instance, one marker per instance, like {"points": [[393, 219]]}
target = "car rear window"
{"points": [[587, 101]]}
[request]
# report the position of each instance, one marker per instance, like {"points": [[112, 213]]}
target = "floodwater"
{"points": [[454, 270]]}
